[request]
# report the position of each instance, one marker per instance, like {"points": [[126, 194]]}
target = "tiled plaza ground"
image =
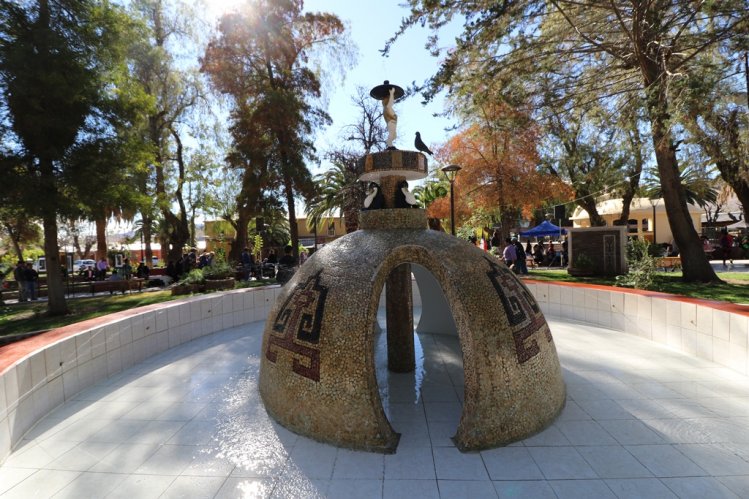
{"points": [[640, 422]]}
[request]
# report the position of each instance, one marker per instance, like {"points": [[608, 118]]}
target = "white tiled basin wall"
{"points": [[693, 328], [51, 375]]}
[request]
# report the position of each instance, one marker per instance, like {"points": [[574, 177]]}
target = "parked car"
{"points": [[79, 264]]}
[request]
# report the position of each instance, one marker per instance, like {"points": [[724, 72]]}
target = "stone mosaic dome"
{"points": [[317, 373]]}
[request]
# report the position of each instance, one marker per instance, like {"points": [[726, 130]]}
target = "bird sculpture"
{"points": [[420, 145], [374, 200], [405, 198]]}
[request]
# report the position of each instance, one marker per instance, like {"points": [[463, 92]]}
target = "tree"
{"points": [[581, 152], [497, 154], [19, 229], [57, 60], [716, 115], [610, 51], [71, 235], [432, 190], [338, 189], [260, 58], [368, 131], [175, 92]]}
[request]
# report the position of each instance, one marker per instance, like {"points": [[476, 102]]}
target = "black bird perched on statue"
{"points": [[404, 198], [420, 145], [374, 200]]}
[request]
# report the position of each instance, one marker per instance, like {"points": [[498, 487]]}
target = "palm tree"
{"points": [[338, 189], [699, 188], [432, 190]]}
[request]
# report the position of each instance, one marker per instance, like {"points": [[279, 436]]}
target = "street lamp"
{"points": [[451, 172]]}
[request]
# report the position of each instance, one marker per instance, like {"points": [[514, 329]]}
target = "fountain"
{"points": [[317, 373]]}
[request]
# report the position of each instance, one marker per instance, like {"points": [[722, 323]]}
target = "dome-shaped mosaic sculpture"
{"points": [[317, 373]]}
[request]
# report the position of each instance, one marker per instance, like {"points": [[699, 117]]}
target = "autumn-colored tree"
{"points": [[499, 161], [260, 58]]}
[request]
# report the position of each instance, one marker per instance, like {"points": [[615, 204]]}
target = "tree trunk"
{"points": [[101, 237], [56, 304], [15, 240], [589, 204], [147, 236], [694, 262], [242, 239], [293, 229]]}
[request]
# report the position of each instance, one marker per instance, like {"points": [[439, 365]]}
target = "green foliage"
{"points": [[642, 266], [64, 92], [338, 189], [195, 276], [218, 269], [431, 190], [464, 232], [257, 247]]}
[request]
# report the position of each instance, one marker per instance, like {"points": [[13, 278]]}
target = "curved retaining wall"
{"points": [[713, 331], [40, 373]]}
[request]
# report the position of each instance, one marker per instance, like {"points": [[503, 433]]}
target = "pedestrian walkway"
{"points": [[640, 422]]}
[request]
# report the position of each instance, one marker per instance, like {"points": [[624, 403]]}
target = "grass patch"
{"points": [[734, 289], [29, 317]]}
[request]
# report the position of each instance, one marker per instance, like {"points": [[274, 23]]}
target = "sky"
{"points": [[370, 25]]}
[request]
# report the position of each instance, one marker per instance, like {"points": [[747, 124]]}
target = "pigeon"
{"points": [[420, 145], [404, 198], [374, 200]]}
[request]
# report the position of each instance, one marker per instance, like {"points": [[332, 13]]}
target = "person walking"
{"points": [[726, 246]]}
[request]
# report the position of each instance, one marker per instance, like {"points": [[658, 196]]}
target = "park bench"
{"points": [[669, 263], [112, 286]]}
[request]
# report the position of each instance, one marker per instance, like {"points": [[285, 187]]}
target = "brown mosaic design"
{"points": [[413, 218], [299, 321], [511, 390], [521, 309], [393, 160]]}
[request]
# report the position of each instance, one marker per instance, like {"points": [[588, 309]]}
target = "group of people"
{"points": [[99, 273], [268, 265], [187, 262], [28, 280], [516, 256]]}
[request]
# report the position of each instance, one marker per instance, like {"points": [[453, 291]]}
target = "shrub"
{"points": [[642, 266], [194, 277], [218, 269]]}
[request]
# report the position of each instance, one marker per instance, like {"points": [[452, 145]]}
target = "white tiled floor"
{"points": [[640, 422]]}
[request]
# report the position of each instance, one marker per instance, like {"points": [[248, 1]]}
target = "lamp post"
{"points": [[451, 172]]}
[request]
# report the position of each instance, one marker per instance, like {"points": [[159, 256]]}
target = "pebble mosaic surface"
{"points": [[326, 388]]}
